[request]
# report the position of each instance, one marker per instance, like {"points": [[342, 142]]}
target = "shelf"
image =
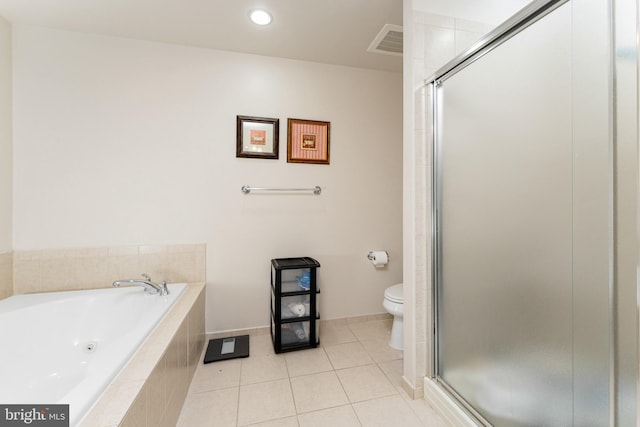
{"points": [[291, 287], [285, 348], [294, 263], [291, 319], [295, 333], [289, 330], [298, 319]]}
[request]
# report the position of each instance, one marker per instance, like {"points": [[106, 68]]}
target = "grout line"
{"points": [[343, 389], [293, 398], [356, 414], [329, 359], [398, 392], [239, 387], [238, 407]]}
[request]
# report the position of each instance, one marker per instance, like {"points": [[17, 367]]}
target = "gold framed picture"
{"points": [[308, 141]]}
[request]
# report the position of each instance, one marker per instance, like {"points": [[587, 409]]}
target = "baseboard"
{"points": [[413, 392], [445, 407], [248, 331], [265, 330]]}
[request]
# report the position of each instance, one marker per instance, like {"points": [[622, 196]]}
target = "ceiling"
{"points": [[328, 31]]}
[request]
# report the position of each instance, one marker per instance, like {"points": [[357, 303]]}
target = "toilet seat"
{"points": [[394, 294]]}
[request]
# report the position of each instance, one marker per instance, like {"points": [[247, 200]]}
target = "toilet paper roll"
{"points": [[300, 333], [297, 309], [379, 258]]}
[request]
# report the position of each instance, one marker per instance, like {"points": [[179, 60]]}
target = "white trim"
{"points": [[445, 406], [413, 392]]}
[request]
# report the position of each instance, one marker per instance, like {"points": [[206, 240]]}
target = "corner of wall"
{"points": [[6, 275], [6, 160], [413, 391]]}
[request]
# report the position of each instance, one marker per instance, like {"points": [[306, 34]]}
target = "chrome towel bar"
{"points": [[246, 189]]}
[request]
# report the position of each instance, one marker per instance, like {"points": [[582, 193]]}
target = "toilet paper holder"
{"points": [[372, 255]]}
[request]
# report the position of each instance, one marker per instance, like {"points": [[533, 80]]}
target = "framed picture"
{"points": [[308, 141], [257, 137]]}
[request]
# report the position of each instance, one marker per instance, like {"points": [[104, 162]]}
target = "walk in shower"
{"points": [[535, 240]]}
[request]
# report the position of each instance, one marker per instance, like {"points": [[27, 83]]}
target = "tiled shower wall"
{"points": [[435, 41], [422, 279], [71, 269], [6, 274], [438, 39]]}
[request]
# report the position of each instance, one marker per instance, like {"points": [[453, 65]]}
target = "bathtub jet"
{"points": [[148, 285]]}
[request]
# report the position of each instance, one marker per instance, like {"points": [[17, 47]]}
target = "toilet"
{"points": [[393, 303]]}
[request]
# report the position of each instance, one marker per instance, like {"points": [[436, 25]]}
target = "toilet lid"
{"points": [[394, 293]]}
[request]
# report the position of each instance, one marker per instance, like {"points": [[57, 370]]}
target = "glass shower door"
{"points": [[523, 243]]}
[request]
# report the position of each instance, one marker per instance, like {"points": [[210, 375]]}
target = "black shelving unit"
{"points": [[294, 304]]}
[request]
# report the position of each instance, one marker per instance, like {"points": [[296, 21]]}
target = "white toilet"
{"points": [[393, 303]]}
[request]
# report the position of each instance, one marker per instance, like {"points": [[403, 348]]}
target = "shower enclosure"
{"points": [[535, 240]]}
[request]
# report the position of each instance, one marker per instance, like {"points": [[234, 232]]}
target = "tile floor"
{"points": [[352, 379]]}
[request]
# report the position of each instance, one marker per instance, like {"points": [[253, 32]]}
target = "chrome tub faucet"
{"points": [[148, 285]]}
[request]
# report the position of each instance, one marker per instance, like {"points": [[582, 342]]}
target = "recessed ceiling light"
{"points": [[260, 17]]}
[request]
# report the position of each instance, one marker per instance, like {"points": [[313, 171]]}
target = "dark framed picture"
{"points": [[308, 141], [257, 137]]}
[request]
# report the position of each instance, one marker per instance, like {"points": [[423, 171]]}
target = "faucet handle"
{"points": [[146, 276]]}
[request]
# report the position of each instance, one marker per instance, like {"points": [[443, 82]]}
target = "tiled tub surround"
{"points": [[6, 274], [91, 268], [152, 387], [82, 357]]}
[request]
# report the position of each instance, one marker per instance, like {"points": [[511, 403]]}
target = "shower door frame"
{"points": [[623, 288], [529, 15]]}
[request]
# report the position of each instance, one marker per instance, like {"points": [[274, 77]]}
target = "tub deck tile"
{"points": [[148, 365]]}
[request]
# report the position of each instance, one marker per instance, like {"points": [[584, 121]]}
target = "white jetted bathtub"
{"points": [[66, 347]]}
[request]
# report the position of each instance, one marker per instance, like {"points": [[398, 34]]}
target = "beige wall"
{"points": [[135, 144], [6, 161], [5, 137]]}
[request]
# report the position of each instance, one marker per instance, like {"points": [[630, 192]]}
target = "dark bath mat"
{"points": [[227, 348]]}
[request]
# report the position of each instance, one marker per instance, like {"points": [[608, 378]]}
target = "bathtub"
{"points": [[66, 347]]}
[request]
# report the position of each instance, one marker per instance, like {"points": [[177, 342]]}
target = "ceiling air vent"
{"points": [[388, 41]]}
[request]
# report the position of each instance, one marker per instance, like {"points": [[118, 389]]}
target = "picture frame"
{"points": [[257, 137], [308, 141]]}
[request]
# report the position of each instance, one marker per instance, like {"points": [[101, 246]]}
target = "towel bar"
{"points": [[246, 189]]}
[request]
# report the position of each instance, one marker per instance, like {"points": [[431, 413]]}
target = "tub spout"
{"points": [[148, 285]]}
